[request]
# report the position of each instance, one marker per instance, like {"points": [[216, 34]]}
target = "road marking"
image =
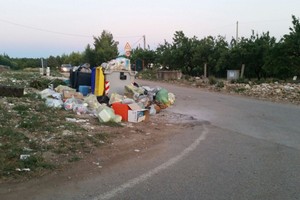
{"points": [[131, 183]]}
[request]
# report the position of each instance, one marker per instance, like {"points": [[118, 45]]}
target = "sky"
{"points": [[40, 28]]}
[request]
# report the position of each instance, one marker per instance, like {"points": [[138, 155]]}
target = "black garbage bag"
{"points": [[103, 99]]}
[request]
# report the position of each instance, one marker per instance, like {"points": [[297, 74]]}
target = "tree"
{"points": [[5, 60], [291, 44], [75, 58], [146, 55], [52, 62], [105, 48], [182, 52], [89, 56], [164, 54]]}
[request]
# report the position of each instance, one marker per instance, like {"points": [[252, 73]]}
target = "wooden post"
{"points": [[205, 70], [242, 70]]}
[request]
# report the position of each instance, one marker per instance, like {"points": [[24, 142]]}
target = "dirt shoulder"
{"points": [[125, 142]]}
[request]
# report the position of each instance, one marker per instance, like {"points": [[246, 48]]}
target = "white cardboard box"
{"points": [[137, 114]]}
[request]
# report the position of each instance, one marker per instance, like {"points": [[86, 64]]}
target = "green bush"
{"points": [[220, 84], [212, 80]]}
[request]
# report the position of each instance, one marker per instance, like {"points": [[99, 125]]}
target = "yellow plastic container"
{"points": [[99, 82]]}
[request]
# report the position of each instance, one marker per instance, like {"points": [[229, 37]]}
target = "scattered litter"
{"points": [[76, 120], [129, 125], [70, 119], [23, 169], [54, 103], [24, 156], [26, 149], [67, 133], [96, 163]]}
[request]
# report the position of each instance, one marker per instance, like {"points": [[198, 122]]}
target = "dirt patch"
{"points": [[125, 142]]}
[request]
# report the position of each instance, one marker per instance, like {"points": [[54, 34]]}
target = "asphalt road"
{"points": [[236, 148]]}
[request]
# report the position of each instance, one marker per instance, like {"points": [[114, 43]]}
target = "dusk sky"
{"points": [[39, 28]]}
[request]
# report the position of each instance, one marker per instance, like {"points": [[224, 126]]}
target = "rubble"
{"points": [[286, 92], [277, 91]]}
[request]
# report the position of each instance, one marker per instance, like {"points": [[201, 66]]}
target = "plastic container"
{"points": [[99, 82], [93, 78], [79, 78], [118, 79], [121, 109], [84, 89]]}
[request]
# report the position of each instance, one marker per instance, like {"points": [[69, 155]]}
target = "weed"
{"points": [[239, 90], [112, 124], [220, 84], [21, 109], [5, 116], [212, 80], [74, 158]]}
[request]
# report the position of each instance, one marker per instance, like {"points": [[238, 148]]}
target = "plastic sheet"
{"points": [[71, 103], [50, 93], [115, 98], [92, 102], [171, 98], [54, 103]]}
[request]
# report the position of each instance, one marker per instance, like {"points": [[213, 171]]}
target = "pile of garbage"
{"points": [[119, 63], [137, 103]]}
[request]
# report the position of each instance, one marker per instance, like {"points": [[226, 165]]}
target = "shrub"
{"points": [[212, 80], [220, 84]]}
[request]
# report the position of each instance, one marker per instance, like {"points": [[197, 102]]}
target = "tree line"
{"points": [[262, 55]]}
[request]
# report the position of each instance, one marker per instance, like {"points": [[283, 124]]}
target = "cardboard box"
{"points": [[137, 114], [69, 93], [131, 112]]}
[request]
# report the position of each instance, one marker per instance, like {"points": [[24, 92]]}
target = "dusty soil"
{"points": [[126, 141]]}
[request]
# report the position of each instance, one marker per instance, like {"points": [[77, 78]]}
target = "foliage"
{"points": [[220, 84], [6, 61], [148, 56], [262, 55], [105, 48], [212, 80]]}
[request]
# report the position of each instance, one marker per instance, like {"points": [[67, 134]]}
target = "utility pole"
{"points": [[237, 31], [144, 37]]}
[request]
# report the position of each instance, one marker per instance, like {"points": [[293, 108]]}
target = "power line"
{"points": [[57, 32], [43, 30]]}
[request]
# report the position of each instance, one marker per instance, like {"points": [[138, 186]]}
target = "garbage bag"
{"points": [[132, 91], [80, 108], [152, 110], [91, 101], [71, 103], [143, 99], [61, 88], [114, 97], [54, 103], [151, 92], [162, 96], [103, 99], [49, 93], [171, 98]]}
